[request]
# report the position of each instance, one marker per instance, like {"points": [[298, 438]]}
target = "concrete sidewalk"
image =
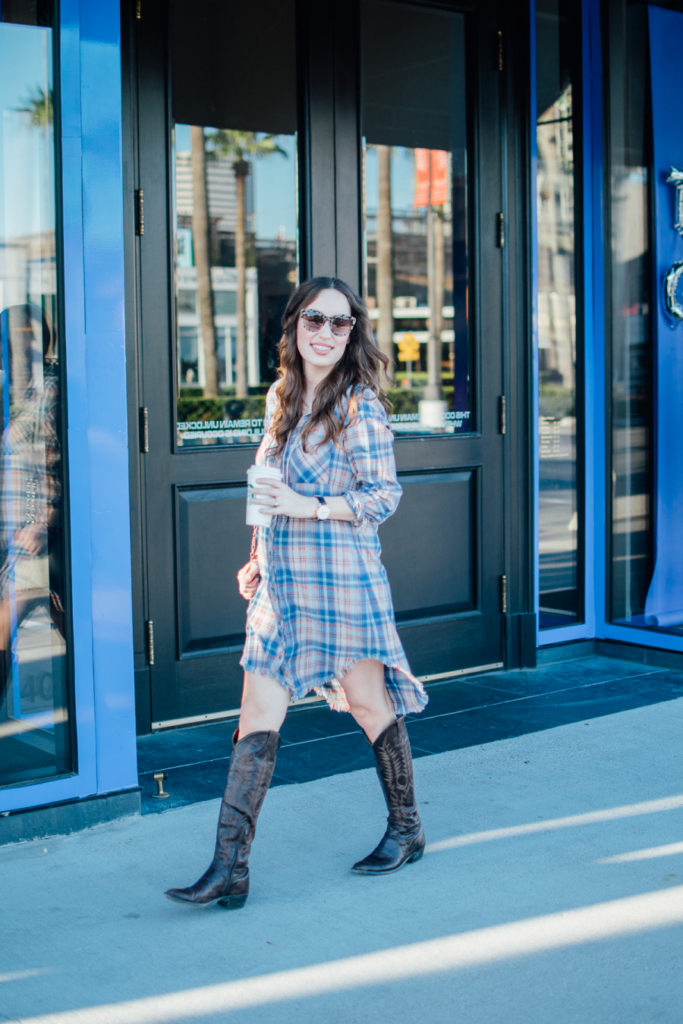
{"points": [[524, 911]]}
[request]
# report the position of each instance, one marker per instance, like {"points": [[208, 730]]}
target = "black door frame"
{"points": [[330, 150]]}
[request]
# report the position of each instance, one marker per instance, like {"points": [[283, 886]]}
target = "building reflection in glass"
{"points": [[236, 253], [559, 511], [35, 740], [236, 266], [630, 277], [415, 211]]}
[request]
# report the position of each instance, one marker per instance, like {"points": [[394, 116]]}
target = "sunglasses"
{"points": [[339, 325]]}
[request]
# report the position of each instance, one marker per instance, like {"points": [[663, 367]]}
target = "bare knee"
{"points": [[253, 706], [369, 701], [264, 705], [373, 720]]}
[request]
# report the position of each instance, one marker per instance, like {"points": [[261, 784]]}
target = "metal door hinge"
{"points": [[499, 50], [500, 230], [139, 211], [144, 430], [138, 10], [502, 415], [503, 594], [149, 636]]}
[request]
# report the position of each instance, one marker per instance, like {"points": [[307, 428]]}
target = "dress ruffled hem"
{"points": [[406, 692]]}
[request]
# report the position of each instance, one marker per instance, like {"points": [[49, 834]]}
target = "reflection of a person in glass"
{"points": [[320, 614], [30, 479]]}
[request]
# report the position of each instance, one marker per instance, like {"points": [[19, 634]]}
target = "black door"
{"points": [[273, 141]]}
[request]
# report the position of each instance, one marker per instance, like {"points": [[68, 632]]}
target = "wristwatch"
{"points": [[323, 511]]}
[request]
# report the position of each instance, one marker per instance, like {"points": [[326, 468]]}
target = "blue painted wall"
{"points": [[97, 442], [664, 605]]}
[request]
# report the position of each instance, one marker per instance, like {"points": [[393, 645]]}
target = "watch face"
{"points": [[324, 512]]}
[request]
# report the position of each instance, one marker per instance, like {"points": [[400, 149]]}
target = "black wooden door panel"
{"points": [[444, 547], [438, 648], [429, 546], [211, 541]]}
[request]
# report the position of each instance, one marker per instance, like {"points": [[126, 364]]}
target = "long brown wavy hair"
{"points": [[360, 367]]}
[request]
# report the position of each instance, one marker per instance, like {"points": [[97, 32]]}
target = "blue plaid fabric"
{"points": [[30, 485], [324, 602]]}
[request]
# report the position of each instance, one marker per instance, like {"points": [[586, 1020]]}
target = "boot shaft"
{"points": [[394, 764], [252, 764]]}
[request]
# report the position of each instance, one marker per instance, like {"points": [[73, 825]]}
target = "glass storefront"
{"points": [[415, 211], [35, 706], [631, 549], [236, 216], [559, 335]]}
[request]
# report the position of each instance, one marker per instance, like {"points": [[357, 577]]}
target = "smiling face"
{"points": [[322, 350]]}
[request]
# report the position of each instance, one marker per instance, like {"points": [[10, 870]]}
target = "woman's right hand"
{"points": [[248, 579]]}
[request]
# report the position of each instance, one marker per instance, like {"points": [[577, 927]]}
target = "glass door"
{"points": [[559, 334], [37, 736], [421, 69], [222, 131]]}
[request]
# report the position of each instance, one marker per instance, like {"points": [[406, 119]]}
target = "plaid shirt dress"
{"points": [[30, 487], [324, 602]]}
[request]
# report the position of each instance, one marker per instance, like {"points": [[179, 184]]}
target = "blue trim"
{"points": [[592, 287], [533, 114], [646, 637], [594, 171], [107, 408], [92, 201]]}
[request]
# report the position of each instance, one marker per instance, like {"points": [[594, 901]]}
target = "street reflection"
{"points": [[236, 266], [415, 212], [631, 277], [558, 510]]}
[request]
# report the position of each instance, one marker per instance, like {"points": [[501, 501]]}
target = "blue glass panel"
{"points": [[559, 335], [35, 707]]}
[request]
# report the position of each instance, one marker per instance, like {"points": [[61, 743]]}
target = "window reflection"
{"points": [[559, 518], [236, 216], [415, 211], [631, 562], [236, 268], [34, 699]]}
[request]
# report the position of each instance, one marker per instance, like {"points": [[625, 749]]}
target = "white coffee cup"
{"points": [[254, 473]]}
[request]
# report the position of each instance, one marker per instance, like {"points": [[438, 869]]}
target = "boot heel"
{"points": [[416, 856], [233, 902]]}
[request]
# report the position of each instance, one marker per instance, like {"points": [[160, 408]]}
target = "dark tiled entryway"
{"points": [[461, 713]]}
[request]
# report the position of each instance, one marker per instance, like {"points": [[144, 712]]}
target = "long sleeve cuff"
{"points": [[356, 507]]}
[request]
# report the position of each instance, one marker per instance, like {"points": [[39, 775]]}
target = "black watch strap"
{"points": [[322, 504]]}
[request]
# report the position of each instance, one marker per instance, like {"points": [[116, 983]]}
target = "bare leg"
{"points": [[252, 762], [403, 842], [367, 695], [264, 705]]}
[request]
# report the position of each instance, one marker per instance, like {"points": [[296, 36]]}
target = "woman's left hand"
{"points": [[275, 498]]}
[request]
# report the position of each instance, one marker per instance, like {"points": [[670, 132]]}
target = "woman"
{"points": [[320, 614], [30, 480]]}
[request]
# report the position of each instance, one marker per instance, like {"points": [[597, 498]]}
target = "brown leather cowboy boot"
{"points": [[226, 882], [404, 841]]}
